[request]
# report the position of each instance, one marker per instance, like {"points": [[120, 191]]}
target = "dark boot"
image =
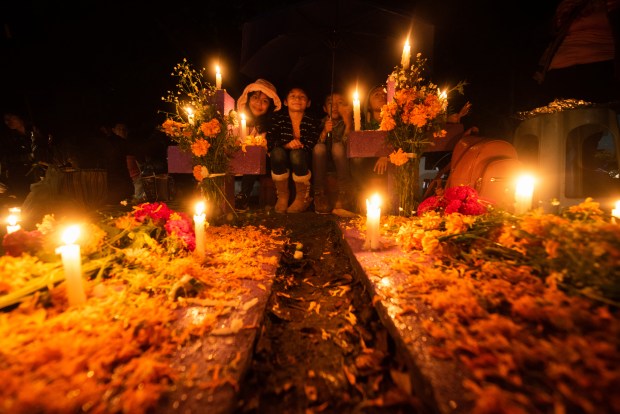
{"points": [[321, 203]]}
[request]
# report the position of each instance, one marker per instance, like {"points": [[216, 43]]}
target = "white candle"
{"points": [[523, 194], [199, 229], [615, 213], [373, 219], [218, 78], [357, 118], [72, 264], [406, 55], [443, 98], [190, 115], [12, 223], [243, 130]]}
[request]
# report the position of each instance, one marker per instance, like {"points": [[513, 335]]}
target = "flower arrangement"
{"points": [[413, 119], [200, 128]]}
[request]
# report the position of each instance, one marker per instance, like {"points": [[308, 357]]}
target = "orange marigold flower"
{"points": [[173, 128], [200, 172], [399, 157], [200, 147], [210, 128], [440, 134]]}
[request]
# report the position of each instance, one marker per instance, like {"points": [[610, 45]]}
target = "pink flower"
{"points": [[22, 241], [461, 199]]}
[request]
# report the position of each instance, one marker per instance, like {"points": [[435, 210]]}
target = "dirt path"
{"points": [[322, 348]]}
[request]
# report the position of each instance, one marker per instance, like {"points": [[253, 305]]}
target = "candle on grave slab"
{"points": [[406, 55], [357, 117], [72, 265], [218, 78], [190, 115], [243, 130], [615, 212], [12, 223], [523, 194], [199, 228], [373, 219]]}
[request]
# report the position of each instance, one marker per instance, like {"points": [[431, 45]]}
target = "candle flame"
{"points": [[356, 96], [200, 208], [15, 210], [618, 205], [217, 69], [525, 185], [12, 219], [189, 111], [242, 116], [71, 234], [374, 202]]}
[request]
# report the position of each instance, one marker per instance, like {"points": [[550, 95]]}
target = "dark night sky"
{"points": [[73, 66]]}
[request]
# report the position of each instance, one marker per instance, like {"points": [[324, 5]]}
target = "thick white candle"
{"points": [[243, 130], [523, 194], [373, 220], [218, 78], [406, 55], [72, 264], [199, 229], [615, 212], [357, 117], [12, 223]]}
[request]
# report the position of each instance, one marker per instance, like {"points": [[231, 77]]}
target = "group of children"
{"points": [[302, 148]]}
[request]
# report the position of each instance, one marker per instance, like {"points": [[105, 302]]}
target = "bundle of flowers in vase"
{"points": [[200, 129], [413, 119]]}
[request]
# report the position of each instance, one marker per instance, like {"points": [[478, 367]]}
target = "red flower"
{"points": [[22, 241], [461, 199]]}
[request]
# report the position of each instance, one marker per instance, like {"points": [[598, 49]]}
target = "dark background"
{"points": [[70, 67]]}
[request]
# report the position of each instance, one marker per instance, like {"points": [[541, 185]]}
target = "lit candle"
{"points": [[199, 229], [615, 213], [72, 264], [443, 98], [373, 218], [218, 78], [357, 118], [243, 131], [190, 115], [12, 223], [523, 194], [406, 55]]}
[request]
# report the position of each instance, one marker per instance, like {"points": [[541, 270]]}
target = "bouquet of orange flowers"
{"points": [[413, 119], [200, 129]]}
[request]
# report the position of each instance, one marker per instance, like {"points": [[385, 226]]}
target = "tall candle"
{"points": [[72, 264], [218, 78], [406, 55], [199, 229], [443, 98], [523, 194], [243, 131], [615, 212], [357, 118], [12, 223], [373, 219]]}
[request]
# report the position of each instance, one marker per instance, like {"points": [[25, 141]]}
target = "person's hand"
{"points": [[381, 165], [294, 144]]}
